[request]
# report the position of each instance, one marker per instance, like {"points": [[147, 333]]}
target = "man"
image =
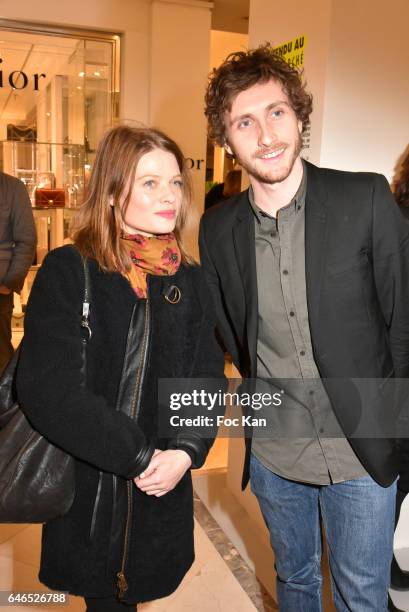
{"points": [[308, 269], [17, 249]]}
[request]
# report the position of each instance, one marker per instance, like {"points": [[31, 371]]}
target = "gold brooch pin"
{"points": [[173, 294]]}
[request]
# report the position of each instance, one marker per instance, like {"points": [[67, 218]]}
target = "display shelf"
{"points": [[49, 165]]}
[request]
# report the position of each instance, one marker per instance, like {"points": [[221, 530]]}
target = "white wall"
{"points": [[223, 43], [366, 120]]}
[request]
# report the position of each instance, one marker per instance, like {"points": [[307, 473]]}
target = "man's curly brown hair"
{"points": [[242, 70]]}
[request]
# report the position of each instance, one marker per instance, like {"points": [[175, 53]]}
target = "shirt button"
{"points": [[311, 392], [291, 313], [285, 272], [302, 353]]}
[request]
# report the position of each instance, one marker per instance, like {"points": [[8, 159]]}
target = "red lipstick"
{"points": [[167, 214]]}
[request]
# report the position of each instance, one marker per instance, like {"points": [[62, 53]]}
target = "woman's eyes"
{"points": [[150, 184]]}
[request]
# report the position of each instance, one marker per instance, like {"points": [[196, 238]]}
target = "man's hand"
{"points": [[5, 290], [164, 472]]}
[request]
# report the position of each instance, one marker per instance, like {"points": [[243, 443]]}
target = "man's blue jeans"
{"points": [[358, 519]]}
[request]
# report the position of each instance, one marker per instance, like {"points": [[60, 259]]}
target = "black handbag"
{"points": [[21, 133], [37, 479]]}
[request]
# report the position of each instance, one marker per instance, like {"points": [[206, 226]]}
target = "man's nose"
{"points": [[266, 136]]}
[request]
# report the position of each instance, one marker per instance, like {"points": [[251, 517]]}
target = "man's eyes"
{"points": [[244, 123], [277, 112]]}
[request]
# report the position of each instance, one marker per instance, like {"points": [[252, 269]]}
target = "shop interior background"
{"points": [[147, 61]]}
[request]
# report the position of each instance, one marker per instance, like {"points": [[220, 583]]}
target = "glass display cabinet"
{"points": [[50, 125]]}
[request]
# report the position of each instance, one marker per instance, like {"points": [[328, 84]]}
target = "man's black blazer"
{"points": [[357, 283]]}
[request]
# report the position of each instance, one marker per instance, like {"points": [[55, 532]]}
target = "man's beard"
{"points": [[270, 176]]}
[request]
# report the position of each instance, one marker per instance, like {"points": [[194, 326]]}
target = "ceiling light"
{"points": [[81, 74], [96, 73]]}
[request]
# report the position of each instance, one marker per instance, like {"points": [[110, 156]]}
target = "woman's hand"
{"points": [[164, 471]]}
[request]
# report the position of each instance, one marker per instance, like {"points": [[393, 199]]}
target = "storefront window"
{"points": [[57, 96]]}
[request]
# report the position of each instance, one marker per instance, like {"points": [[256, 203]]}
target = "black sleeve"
{"points": [[50, 379], [23, 235], [390, 252], [213, 283], [208, 371]]}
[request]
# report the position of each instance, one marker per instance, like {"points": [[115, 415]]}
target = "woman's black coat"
{"points": [[82, 551]]}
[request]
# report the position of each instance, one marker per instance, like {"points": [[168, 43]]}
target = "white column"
{"points": [[180, 38]]}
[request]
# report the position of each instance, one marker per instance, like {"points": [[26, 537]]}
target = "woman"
{"points": [[401, 186], [128, 536]]}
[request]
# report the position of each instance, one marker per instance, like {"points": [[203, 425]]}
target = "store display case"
{"points": [[54, 178], [62, 99], [46, 165]]}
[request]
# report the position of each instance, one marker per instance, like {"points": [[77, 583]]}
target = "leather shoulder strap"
{"points": [[87, 298]]}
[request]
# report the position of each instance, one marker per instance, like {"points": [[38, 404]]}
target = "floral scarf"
{"points": [[159, 255]]}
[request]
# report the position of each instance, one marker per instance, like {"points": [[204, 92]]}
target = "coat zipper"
{"points": [[121, 578], [99, 487]]}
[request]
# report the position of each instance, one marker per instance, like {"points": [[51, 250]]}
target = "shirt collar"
{"points": [[298, 201]]}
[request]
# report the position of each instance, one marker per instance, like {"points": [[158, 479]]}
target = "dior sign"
{"points": [[17, 79], [194, 164]]}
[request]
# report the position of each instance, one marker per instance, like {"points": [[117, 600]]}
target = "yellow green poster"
{"points": [[293, 50]]}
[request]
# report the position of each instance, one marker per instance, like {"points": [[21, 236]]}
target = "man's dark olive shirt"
{"points": [[284, 351]]}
